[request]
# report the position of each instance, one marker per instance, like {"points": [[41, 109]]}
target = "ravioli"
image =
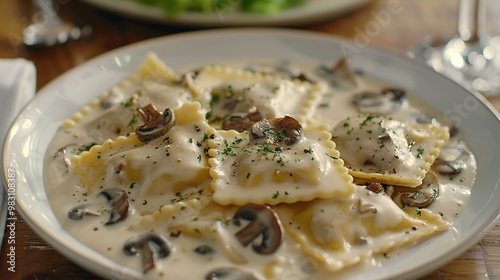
{"points": [[343, 233], [152, 169], [384, 150], [237, 91], [114, 112], [247, 172]]}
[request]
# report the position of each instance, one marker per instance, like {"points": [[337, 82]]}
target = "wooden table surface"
{"points": [[417, 19]]}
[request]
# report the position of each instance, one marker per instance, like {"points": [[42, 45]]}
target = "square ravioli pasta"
{"points": [[114, 113], [344, 233], [142, 166], [384, 150], [239, 92], [267, 165]]}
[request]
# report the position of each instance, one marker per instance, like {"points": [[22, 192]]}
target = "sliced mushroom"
{"points": [[65, 153], [156, 123], [449, 167], [380, 103], [375, 187], [77, 213], [421, 196], [241, 121], [286, 68], [340, 75], [230, 273], [263, 221], [285, 130], [150, 246], [119, 204], [452, 159]]}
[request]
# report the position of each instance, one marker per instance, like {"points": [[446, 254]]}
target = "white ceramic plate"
{"points": [[33, 129], [312, 11]]}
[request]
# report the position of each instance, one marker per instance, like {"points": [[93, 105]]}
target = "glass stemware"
{"points": [[472, 57], [49, 29]]}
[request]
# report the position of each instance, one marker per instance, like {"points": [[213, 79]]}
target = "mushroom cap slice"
{"points": [[452, 159], [229, 273], [156, 123], [65, 153], [78, 212], [340, 75], [242, 121], [380, 103], [263, 221], [119, 204], [423, 195], [150, 246], [285, 130]]}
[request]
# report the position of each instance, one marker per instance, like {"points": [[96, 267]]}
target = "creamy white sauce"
{"points": [[65, 191]]}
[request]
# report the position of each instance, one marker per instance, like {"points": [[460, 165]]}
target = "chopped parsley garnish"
{"points": [[169, 140], [85, 148], [133, 120], [368, 118], [420, 152], [128, 102], [204, 250], [228, 151], [380, 127], [215, 98], [224, 222], [332, 157], [237, 141], [230, 90], [276, 195]]}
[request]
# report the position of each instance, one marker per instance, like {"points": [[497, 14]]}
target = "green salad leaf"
{"points": [[173, 8]]}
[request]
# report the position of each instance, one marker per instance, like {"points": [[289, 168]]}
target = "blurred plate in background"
{"points": [[312, 11]]}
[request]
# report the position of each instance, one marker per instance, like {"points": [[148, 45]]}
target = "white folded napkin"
{"points": [[17, 87]]}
